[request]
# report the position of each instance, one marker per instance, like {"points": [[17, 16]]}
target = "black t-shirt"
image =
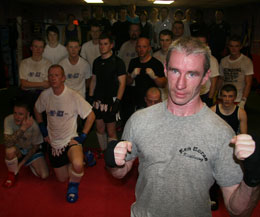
{"points": [[107, 72], [120, 31], [142, 81]]}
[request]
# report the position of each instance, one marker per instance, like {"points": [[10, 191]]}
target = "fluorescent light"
{"points": [[163, 2], [94, 1]]}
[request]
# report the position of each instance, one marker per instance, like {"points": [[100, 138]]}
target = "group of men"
{"points": [[182, 146]]}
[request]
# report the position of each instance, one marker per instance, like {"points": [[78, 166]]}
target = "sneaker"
{"points": [[9, 182], [90, 159], [214, 205]]}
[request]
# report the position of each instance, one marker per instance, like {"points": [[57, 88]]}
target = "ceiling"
{"points": [[177, 3]]}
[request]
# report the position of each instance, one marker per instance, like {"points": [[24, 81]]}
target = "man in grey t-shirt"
{"points": [[183, 147]]}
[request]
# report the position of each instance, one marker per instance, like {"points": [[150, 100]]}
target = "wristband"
{"points": [[80, 139], [110, 155], [252, 168], [43, 129]]}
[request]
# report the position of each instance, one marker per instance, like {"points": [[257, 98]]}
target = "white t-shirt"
{"points": [[90, 51], [56, 54], [214, 67], [34, 71], [234, 72], [32, 135], [62, 112], [127, 52], [76, 75]]}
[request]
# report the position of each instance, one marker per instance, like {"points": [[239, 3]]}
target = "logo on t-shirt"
{"points": [[73, 75], [193, 152], [56, 113], [231, 74], [34, 74]]}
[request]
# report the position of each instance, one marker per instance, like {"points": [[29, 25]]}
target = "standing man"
{"points": [[127, 50], [144, 71], [106, 89], [23, 139], [33, 72], [163, 23], [54, 51], [183, 147], [166, 38], [120, 29], [90, 50], [237, 69], [77, 70], [177, 29], [63, 105], [208, 90]]}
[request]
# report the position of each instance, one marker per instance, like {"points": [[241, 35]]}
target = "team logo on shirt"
{"points": [[193, 152], [231, 74], [34, 74], [56, 113], [73, 75]]}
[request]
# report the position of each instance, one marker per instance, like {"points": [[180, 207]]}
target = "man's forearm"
{"points": [[243, 200], [89, 122], [120, 172], [160, 81]]}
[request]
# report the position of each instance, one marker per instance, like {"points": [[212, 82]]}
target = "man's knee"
{"points": [[77, 165], [10, 153]]}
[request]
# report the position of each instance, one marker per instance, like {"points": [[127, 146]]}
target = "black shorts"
{"points": [[108, 117], [61, 160]]}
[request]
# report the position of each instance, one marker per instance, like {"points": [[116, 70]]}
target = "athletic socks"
{"points": [[102, 140], [12, 165]]}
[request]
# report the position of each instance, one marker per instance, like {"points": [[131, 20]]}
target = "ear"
{"points": [[206, 77]]}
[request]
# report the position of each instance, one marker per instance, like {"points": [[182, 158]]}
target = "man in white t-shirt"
{"points": [[237, 69], [22, 140], [90, 50], [54, 51], [77, 70], [166, 38], [33, 72], [127, 50], [63, 105], [208, 90]]}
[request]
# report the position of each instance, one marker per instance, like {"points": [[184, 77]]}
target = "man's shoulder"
{"points": [[27, 60]]}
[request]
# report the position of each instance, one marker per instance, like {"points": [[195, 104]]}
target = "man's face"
{"points": [[53, 37], [185, 77], [123, 13], [228, 98], [219, 15], [56, 77], [105, 46], [95, 32], [178, 17], [37, 48], [177, 30], [152, 98], [203, 40], [165, 42], [20, 113], [164, 14], [143, 47], [73, 48], [134, 32], [234, 48]]}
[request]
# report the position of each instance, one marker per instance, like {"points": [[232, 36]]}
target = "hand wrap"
{"points": [[81, 138], [43, 129], [252, 168], [115, 106], [110, 155]]}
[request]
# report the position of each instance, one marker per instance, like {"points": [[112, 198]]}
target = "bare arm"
{"points": [[89, 122], [248, 84], [120, 172], [242, 120], [92, 85], [240, 199], [121, 88], [28, 84], [160, 81], [213, 87], [213, 108]]}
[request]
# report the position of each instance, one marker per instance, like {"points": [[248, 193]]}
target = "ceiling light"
{"points": [[163, 2], [94, 1]]}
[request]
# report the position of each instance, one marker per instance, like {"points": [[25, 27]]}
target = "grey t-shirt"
{"points": [[179, 159]]}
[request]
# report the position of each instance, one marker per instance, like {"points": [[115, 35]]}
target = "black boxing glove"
{"points": [[115, 106], [252, 168]]}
